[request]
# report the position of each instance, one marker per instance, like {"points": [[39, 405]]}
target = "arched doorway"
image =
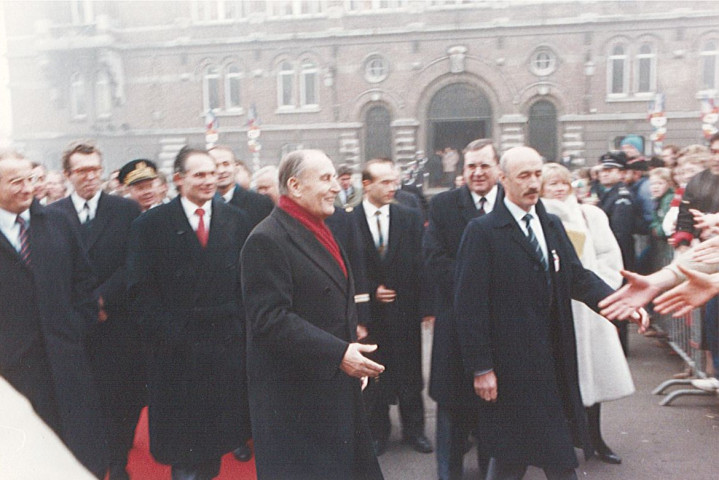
{"points": [[458, 114], [543, 129], [378, 133]]}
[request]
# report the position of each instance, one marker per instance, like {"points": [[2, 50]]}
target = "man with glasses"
{"points": [[47, 308], [113, 342]]}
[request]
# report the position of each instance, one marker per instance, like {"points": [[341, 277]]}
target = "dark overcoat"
{"points": [[515, 318], [308, 421], [449, 214], [114, 345], [396, 326], [51, 302], [188, 301], [255, 205]]}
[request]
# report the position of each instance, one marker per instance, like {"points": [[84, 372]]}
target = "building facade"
{"points": [[355, 78]]}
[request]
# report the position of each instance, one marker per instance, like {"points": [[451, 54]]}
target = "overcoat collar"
{"points": [[37, 214], [181, 225], [503, 219], [395, 230], [312, 248]]}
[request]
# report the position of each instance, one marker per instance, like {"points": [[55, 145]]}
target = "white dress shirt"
{"points": [[370, 212], [10, 228], [230, 193], [79, 204], [194, 218], [490, 199], [536, 225]]}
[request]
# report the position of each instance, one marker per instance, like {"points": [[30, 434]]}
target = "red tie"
{"points": [[202, 233]]}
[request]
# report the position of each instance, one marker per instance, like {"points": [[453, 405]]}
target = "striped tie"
{"points": [[24, 238], [533, 241]]}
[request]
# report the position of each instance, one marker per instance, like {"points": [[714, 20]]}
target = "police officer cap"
{"points": [[137, 171], [614, 160]]}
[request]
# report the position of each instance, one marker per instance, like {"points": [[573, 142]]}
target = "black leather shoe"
{"points": [[420, 443], [607, 456], [243, 453], [380, 446]]}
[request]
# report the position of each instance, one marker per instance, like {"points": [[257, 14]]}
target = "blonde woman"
{"points": [[603, 370]]}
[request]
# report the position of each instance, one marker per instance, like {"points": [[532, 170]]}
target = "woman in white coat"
{"points": [[603, 370]]}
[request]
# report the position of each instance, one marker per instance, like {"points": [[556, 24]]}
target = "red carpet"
{"points": [[141, 465]]}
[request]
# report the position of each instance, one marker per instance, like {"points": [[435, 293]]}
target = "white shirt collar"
{"points": [[491, 199], [230, 193], [370, 209], [518, 212], [7, 219], [79, 203], [189, 208]]}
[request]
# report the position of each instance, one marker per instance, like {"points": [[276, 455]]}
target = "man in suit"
{"points": [[47, 308], [349, 196], [184, 283], [114, 342], [516, 275], [449, 213], [392, 242], [304, 361], [255, 205]]}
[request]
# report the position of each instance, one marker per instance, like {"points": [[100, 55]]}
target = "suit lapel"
{"points": [[507, 221], [7, 246], [312, 248], [217, 223], [395, 230], [181, 226], [371, 247], [466, 204], [102, 216]]}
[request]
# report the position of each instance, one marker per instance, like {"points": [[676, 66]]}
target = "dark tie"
{"points": [[533, 241], [482, 203], [24, 238], [380, 237], [86, 214], [202, 233]]}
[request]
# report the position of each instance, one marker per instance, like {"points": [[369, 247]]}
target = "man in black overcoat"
{"points": [[46, 287], [449, 213], [391, 237], [114, 342], [304, 362], [184, 282], [517, 273], [255, 205]]}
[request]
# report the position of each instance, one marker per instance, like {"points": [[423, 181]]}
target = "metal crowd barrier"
{"points": [[684, 336]]}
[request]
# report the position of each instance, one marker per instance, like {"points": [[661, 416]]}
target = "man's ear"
{"points": [[293, 187]]}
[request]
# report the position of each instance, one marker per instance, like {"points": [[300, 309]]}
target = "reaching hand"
{"points": [[703, 221], [695, 292], [641, 318], [637, 292], [357, 365], [485, 386], [707, 251]]}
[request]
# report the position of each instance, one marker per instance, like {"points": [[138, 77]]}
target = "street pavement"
{"points": [[676, 442]]}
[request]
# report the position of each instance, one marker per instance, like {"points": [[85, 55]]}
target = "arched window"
{"points": [[617, 71], [646, 68], [211, 88], [710, 66], [285, 85], [103, 94], [308, 84], [78, 107], [378, 134], [543, 129], [233, 78]]}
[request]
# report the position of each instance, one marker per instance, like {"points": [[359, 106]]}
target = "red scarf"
{"points": [[314, 225]]}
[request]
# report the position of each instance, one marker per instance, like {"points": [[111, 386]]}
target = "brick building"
{"points": [[356, 78]]}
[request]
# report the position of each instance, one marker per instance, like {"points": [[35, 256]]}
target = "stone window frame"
{"points": [[548, 55], [709, 51], [78, 96], [367, 68]]}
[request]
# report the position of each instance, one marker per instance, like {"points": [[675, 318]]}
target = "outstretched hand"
{"points": [[707, 251], [698, 289], [357, 365], [636, 293]]}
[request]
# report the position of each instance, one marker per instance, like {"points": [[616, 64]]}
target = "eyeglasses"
{"points": [[21, 182], [86, 171]]}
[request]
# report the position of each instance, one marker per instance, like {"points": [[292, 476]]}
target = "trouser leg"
{"points": [[411, 411], [502, 471], [559, 473]]}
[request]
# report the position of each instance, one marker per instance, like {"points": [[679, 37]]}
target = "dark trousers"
{"points": [[711, 329], [502, 471], [31, 377], [454, 424], [196, 471], [411, 412]]}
